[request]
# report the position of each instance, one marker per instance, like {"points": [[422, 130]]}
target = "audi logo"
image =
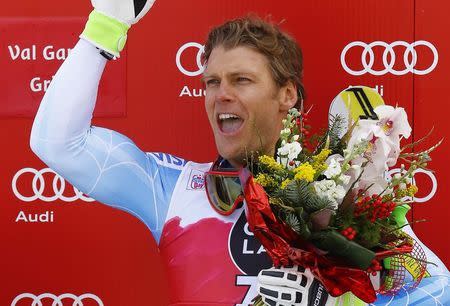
{"points": [[409, 57], [200, 66], [38, 187], [57, 300], [430, 174]]}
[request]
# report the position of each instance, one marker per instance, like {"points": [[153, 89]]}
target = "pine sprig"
{"points": [[301, 194], [294, 222], [337, 126]]}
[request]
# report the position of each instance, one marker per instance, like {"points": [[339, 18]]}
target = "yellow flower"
{"points": [[270, 163], [400, 193], [285, 183], [322, 156], [265, 180], [412, 190], [304, 172], [319, 168], [319, 160]]}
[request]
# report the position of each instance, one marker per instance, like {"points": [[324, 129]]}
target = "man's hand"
{"points": [[125, 11], [109, 22], [292, 286]]}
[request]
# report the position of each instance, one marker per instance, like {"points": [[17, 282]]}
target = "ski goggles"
{"points": [[223, 187]]}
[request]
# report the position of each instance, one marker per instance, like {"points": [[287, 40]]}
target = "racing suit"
{"points": [[210, 259]]}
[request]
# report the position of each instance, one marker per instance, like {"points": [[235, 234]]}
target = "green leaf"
{"points": [[347, 250], [297, 223], [301, 194]]}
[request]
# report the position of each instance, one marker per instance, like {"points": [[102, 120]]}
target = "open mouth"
{"points": [[229, 123]]}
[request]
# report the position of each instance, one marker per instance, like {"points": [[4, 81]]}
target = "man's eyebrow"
{"points": [[231, 74], [205, 76], [240, 72]]}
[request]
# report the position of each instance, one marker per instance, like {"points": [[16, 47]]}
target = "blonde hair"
{"points": [[282, 51]]}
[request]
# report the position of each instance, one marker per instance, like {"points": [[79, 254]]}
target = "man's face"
{"points": [[244, 105]]}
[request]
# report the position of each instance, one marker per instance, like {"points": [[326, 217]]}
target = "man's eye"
{"points": [[212, 82], [243, 79]]}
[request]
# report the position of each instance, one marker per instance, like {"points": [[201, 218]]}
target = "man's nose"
{"points": [[225, 92]]}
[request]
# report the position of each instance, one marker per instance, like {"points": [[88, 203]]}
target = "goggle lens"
{"points": [[224, 189]]}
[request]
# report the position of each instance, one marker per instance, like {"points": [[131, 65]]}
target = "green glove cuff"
{"points": [[399, 214], [348, 299], [105, 33]]}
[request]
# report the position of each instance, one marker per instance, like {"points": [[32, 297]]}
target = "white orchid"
{"points": [[375, 185], [394, 123], [356, 168], [353, 173], [393, 120], [384, 137]]}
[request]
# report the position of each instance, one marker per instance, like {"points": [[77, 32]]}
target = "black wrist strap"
{"points": [[317, 294], [106, 55]]}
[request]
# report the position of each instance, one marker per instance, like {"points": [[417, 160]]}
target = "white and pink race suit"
{"points": [[210, 259]]}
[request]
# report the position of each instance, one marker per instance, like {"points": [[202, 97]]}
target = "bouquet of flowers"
{"points": [[330, 208]]}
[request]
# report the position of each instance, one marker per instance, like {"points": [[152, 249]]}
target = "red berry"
{"points": [[336, 291]]}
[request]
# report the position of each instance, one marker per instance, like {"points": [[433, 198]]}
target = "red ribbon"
{"points": [[277, 239], [402, 249]]}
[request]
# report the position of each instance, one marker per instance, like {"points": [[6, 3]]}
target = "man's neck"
{"points": [[242, 162]]}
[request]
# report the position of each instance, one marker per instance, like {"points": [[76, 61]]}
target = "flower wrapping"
{"points": [[277, 239]]}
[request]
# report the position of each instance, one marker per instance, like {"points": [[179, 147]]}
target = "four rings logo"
{"points": [[198, 59], [57, 300], [38, 184], [389, 57]]}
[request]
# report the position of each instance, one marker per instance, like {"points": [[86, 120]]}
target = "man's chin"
{"points": [[234, 157], [237, 154]]}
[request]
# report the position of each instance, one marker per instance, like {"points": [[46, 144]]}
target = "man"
{"points": [[252, 77]]}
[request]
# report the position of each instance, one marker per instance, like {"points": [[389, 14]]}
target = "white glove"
{"points": [[110, 20], [125, 11], [292, 286]]}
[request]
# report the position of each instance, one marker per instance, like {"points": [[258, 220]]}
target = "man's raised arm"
{"points": [[100, 162]]}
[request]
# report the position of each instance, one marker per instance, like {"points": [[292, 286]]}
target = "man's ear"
{"points": [[289, 96]]}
